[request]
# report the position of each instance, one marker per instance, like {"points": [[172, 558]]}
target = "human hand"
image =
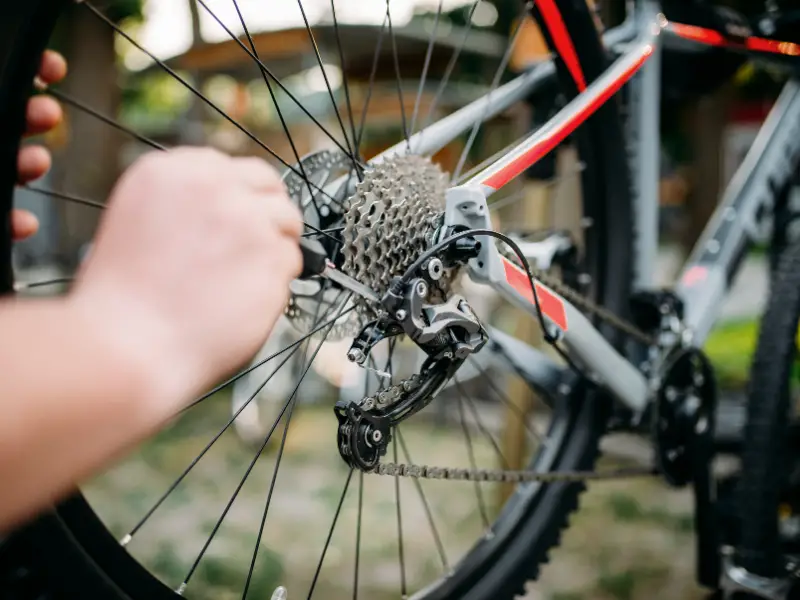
{"points": [[191, 265], [43, 114]]}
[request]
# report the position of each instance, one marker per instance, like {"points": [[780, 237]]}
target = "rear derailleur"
{"points": [[448, 331]]}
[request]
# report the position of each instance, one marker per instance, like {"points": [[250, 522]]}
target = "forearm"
{"points": [[73, 395]]}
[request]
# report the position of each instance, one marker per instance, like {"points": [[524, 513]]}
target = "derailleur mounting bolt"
{"points": [[422, 289], [356, 355], [401, 315], [377, 436], [435, 269]]}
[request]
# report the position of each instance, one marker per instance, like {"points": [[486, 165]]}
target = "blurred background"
{"points": [[630, 539]]}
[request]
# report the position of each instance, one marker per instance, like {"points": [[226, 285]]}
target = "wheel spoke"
{"points": [[95, 11], [252, 368], [278, 110], [400, 545], [371, 84], [295, 346], [501, 395], [471, 454], [20, 286], [495, 82], [271, 490], [330, 534], [479, 422], [65, 197], [290, 405], [327, 83], [398, 79], [450, 66], [100, 205], [272, 76], [275, 470], [343, 67], [127, 539], [75, 103], [426, 65], [426, 505], [323, 232], [358, 533]]}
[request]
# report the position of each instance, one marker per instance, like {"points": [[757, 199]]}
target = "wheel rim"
{"points": [[558, 430]]}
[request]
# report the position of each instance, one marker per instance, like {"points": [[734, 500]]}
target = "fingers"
{"points": [[32, 163], [257, 174], [53, 67], [43, 114], [23, 224]]}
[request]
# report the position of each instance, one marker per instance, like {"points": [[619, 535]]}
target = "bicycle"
{"points": [[405, 230]]}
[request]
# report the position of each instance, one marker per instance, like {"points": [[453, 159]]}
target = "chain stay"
{"points": [[582, 302]]}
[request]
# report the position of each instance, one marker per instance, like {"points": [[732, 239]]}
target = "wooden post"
{"points": [[532, 212]]}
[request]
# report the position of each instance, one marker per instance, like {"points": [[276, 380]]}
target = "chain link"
{"points": [[507, 476], [582, 302]]}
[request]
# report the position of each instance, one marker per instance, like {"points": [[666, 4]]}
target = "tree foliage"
{"points": [[121, 10]]}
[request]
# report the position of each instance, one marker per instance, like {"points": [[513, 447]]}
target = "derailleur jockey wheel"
{"points": [[362, 438]]}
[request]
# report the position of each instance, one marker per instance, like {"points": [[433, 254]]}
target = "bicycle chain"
{"points": [[582, 302], [507, 476]]}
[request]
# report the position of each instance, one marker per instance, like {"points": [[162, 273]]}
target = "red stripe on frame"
{"points": [[564, 46], [551, 305], [698, 34], [502, 176], [774, 46], [710, 37]]}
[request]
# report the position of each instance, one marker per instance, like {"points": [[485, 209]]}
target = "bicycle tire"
{"points": [[764, 458], [77, 554]]}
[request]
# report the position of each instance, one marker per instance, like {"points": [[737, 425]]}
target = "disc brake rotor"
{"points": [[309, 301]]}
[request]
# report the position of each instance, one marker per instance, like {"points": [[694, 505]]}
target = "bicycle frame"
{"points": [[738, 220]]}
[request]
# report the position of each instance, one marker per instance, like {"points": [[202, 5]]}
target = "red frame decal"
{"points": [[552, 306], [564, 46], [502, 176], [694, 275], [711, 37]]}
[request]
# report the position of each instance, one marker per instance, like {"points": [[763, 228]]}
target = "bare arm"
{"points": [[73, 396], [189, 272]]}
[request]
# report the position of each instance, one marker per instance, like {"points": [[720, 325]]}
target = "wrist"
{"points": [[137, 349]]}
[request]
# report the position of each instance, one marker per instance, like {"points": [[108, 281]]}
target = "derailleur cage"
{"points": [[362, 437]]}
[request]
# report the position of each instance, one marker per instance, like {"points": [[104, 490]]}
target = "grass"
{"points": [[626, 508], [623, 584], [730, 348]]}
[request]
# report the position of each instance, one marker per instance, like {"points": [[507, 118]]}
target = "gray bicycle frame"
{"points": [[740, 218]]}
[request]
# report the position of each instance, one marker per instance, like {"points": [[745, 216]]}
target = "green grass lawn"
{"points": [[730, 348]]}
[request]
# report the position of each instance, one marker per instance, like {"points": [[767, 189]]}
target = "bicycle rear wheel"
{"points": [[73, 549]]}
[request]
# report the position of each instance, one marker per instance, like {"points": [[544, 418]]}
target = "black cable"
{"points": [[398, 284]]}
